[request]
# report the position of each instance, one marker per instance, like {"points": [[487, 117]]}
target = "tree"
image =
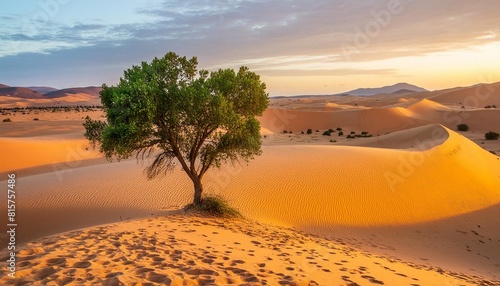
{"points": [[170, 112]]}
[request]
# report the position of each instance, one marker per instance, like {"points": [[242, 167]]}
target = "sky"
{"points": [[297, 47]]}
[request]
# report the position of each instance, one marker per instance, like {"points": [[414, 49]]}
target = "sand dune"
{"points": [[416, 205], [418, 139], [181, 250], [426, 105], [23, 153], [475, 96], [346, 186], [66, 100], [375, 121]]}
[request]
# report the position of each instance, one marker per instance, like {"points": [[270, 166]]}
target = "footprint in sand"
{"points": [[56, 261], [44, 273], [372, 279], [82, 264]]}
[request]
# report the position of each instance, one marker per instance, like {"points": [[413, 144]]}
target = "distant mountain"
{"points": [[404, 91], [91, 90], [3, 85], [21, 92], [42, 89], [386, 89]]}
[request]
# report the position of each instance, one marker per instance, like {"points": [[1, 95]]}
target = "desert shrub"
{"points": [[490, 106], [214, 206], [333, 141], [341, 133], [7, 120], [339, 129], [353, 132], [350, 137], [327, 133], [285, 132], [358, 135], [364, 133], [331, 130], [463, 127], [35, 119], [291, 132], [317, 130], [491, 135], [302, 132], [309, 131]]}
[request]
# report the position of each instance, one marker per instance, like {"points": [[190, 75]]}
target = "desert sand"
{"points": [[415, 204]]}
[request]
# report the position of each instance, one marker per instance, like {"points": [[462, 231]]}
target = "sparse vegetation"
{"points": [[7, 120], [35, 119], [341, 133], [327, 133], [463, 127], [339, 129], [309, 131], [490, 106], [491, 135], [214, 206], [353, 132], [331, 130]]}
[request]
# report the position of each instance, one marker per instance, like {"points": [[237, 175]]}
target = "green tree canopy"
{"points": [[169, 111]]}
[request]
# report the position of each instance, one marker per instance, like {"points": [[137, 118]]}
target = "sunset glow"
{"points": [[317, 47]]}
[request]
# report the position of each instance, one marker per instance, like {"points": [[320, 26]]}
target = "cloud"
{"points": [[289, 37]]}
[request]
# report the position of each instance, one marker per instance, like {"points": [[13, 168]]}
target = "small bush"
{"points": [[333, 141], [341, 133], [364, 133], [214, 206], [285, 132], [35, 119], [353, 132], [463, 127], [491, 135], [317, 130], [7, 120], [490, 106], [331, 130], [309, 131], [327, 133], [350, 137], [302, 132], [339, 129]]}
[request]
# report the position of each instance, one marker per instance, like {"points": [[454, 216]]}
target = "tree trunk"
{"points": [[198, 190]]}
